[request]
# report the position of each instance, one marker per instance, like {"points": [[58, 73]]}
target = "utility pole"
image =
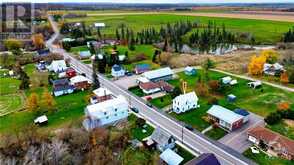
{"points": [[183, 134]]}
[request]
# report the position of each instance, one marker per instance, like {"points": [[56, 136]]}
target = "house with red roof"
{"points": [[274, 143]]}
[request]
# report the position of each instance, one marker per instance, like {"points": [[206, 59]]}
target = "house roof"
{"points": [[165, 86], [57, 65], [170, 157], [142, 79], [275, 66], [99, 24], [158, 73], [188, 97], [224, 114], [116, 67], [97, 110], [41, 119], [63, 87], [149, 85], [102, 92], [204, 159], [60, 82], [79, 78], [226, 79], [242, 112], [142, 67], [272, 138], [160, 136]]}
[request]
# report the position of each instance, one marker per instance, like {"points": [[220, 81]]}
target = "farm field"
{"points": [[264, 31]]}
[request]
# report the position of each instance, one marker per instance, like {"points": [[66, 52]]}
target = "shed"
{"points": [[244, 113], [41, 120], [190, 71], [226, 80], [170, 157], [231, 98]]}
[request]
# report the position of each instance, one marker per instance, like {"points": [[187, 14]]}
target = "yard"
{"points": [[137, 91], [283, 128], [216, 133], [137, 132], [162, 102], [263, 159]]}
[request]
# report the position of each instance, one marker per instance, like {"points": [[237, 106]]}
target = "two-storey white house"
{"points": [[106, 112], [185, 102]]}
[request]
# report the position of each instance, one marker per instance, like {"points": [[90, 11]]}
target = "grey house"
{"points": [[163, 139]]}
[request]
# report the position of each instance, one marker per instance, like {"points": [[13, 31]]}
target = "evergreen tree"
{"points": [[96, 83], [25, 80]]}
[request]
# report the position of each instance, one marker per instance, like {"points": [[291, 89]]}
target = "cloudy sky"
{"points": [[157, 1]]}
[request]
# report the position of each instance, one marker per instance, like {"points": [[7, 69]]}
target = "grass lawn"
{"points": [[136, 91], [77, 49], [135, 156], [283, 129], [263, 30], [263, 159], [216, 133], [136, 132], [9, 86], [162, 102], [184, 154]]}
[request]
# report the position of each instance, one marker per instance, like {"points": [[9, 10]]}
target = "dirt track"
{"points": [[261, 16]]}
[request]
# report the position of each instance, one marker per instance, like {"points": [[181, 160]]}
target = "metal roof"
{"points": [[158, 73], [170, 157], [224, 114]]}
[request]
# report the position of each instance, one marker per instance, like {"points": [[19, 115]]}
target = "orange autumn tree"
{"points": [[271, 56], [284, 78], [283, 106], [255, 66], [38, 41]]}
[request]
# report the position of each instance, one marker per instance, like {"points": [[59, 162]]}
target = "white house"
{"points": [[106, 112], [117, 71], [185, 102], [57, 66]]}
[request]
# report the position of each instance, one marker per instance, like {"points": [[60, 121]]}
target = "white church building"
{"points": [[185, 102]]}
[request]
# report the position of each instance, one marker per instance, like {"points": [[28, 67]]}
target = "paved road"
{"points": [[238, 138], [194, 140]]}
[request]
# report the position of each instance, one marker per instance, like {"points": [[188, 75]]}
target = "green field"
{"points": [[263, 159], [263, 30]]}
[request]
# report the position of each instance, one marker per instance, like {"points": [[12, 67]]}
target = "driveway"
{"points": [[127, 81], [237, 139]]}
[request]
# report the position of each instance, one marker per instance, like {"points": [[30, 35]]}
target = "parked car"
{"points": [[149, 105], [136, 110], [189, 127], [129, 73]]}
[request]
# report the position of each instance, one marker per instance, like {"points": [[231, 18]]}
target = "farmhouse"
{"points": [[170, 157], [274, 143], [57, 66], [141, 68], [225, 118], [80, 82], [164, 74], [62, 87], [272, 69], [149, 87], [162, 139], [105, 112], [117, 71], [185, 102], [204, 159], [190, 71], [100, 95]]}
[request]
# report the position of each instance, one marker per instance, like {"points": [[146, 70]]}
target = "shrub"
{"points": [[213, 85], [273, 118]]}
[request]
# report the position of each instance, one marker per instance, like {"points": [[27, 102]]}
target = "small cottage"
{"points": [[185, 102], [190, 71], [163, 139], [117, 71]]}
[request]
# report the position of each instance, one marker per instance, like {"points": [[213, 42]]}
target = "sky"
{"points": [[157, 1]]}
